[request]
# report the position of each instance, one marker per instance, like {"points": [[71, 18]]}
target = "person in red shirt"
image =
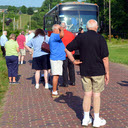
{"points": [[21, 41], [67, 64]]}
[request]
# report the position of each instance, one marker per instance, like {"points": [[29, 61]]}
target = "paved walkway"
{"points": [[26, 107]]}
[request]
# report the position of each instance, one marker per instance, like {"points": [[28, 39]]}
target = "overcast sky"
{"points": [[27, 3]]}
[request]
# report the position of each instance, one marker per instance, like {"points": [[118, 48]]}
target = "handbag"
{"points": [[45, 46]]}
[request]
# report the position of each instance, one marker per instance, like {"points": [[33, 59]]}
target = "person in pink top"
{"points": [[21, 41]]}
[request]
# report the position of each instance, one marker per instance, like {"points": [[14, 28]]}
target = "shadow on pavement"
{"points": [[18, 77], [74, 102], [32, 79], [123, 83]]}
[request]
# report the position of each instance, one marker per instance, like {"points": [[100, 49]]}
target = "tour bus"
{"points": [[74, 14]]}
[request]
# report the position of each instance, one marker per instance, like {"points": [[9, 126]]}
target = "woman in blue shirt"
{"points": [[41, 59]]}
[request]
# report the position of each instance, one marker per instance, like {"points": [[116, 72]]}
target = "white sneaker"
{"points": [[47, 86], [99, 122], [86, 122], [37, 86]]}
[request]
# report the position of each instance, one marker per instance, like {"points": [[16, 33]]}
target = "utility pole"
{"points": [[109, 20], [49, 7], [3, 21], [20, 18], [14, 24], [30, 23], [104, 18], [17, 24], [20, 21]]}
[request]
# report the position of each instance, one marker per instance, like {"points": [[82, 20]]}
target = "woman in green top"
{"points": [[12, 49]]}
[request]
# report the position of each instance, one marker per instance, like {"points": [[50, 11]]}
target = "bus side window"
{"points": [[56, 19], [49, 21]]}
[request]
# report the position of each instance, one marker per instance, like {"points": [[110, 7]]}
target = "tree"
{"points": [[34, 25], [12, 9], [23, 9], [30, 11]]}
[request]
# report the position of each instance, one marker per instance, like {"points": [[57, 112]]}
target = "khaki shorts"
{"points": [[22, 52], [56, 67], [93, 83]]}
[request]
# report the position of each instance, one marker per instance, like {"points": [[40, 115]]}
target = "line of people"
{"points": [[94, 63]]}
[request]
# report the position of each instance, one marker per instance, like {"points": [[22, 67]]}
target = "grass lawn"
{"points": [[3, 80], [24, 20], [118, 51]]}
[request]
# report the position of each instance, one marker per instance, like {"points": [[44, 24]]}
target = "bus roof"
{"points": [[70, 3]]}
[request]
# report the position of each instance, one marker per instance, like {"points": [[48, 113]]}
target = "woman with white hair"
{"points": [[12, 49]]}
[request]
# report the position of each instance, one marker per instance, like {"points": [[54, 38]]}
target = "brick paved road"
{"points": [[26, 107]]}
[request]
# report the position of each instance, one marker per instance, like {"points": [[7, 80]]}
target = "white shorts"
{"points": [[56, 67]]}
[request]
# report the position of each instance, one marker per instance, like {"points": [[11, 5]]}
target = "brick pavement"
{"points": [[26, 107]]}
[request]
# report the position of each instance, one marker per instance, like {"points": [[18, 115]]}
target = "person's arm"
{"points": [[70, 56], [61, 33], [28, 45], [17, 49], [28, 48], [106, 65]]}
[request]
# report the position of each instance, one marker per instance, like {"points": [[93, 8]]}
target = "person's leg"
{"points": [[87, 86], [86, 107], [55, 82], [10, 79], [46, 76], [3, 51], [19, 58], [8, 63], [65, 73], [47, 85], [22, 59], [71, 72], [87, 101], [98, 87], [96, 102], [14, 67], [14, 79], [37, 76]]}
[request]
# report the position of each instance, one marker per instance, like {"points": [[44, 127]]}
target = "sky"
{"points": [[27, 3], [18, 3]]}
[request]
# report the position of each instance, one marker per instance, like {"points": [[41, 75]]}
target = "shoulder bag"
{"points": [[45, 46]]}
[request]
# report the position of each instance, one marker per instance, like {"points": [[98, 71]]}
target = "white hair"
{"points": [[55, 26], [91, 24], [63, 24], [4, 32]]}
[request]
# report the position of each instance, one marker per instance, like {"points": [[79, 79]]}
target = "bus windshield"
{"points": [[76, 19], [75, 15]]}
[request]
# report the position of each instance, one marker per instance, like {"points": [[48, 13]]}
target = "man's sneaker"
{"points": [[99, 122], [86, 122], [47, 86], [37, 86], [55, 95]]}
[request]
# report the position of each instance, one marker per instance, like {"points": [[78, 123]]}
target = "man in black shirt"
{"points": [[94, 69]]}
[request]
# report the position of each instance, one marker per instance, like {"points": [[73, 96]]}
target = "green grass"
{"points": [[24, 20], [118, 51], [3, 80]]}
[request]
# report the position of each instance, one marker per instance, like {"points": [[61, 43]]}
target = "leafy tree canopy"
{"points": [[23, 9], [30, 11]]}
